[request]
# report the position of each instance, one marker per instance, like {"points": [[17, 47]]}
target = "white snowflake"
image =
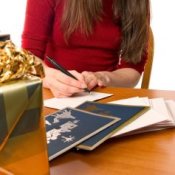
{"points": [[68, 139]]}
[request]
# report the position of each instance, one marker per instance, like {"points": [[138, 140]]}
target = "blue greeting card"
{"points": [[69, 127], [126, 113]]}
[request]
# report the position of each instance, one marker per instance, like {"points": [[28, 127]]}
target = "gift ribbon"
{"points": [[17, 63]]}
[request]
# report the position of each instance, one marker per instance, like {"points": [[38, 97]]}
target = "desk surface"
{"points": [[149, 153]]}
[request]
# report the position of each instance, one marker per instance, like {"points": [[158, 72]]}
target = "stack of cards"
{"points": [[87, 126], [91, 123]]}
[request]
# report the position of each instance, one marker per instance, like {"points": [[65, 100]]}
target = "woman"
{"points": [[101, 42]]}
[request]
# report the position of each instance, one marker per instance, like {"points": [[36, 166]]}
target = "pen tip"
{"points": [[87, 90]]}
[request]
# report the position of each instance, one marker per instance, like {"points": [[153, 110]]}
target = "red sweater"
{"points": [[99, 52]]}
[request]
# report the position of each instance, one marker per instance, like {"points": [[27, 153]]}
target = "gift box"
{"points": [[23, 148]]}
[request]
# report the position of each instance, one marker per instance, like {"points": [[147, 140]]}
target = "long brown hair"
{"points": [[133, 14]]}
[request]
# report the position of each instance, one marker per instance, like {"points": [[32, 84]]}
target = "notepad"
{"points": [[74, 101]]}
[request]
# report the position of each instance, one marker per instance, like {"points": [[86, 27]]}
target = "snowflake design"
{"points": [[68, 139]]}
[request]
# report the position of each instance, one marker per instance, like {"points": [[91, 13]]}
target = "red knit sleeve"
{"points": [[38, 25], [138, 67]]}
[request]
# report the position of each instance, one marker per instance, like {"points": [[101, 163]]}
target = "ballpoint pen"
{"points": [[63, 70]]}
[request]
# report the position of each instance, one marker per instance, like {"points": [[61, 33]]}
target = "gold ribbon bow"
{"points": [[17, 63]]}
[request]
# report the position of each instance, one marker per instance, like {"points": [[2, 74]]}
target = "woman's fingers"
{"points": [[90, 79], [62, 85], [65, 79], [59, 94], [80, 78]]}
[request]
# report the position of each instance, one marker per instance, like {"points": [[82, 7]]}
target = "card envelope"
{"points": [[22, 128]]}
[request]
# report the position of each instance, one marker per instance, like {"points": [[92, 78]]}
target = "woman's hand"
{"points": [[126, 77], [93, 79], [62, 85]]}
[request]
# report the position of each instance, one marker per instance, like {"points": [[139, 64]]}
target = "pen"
{"points": [[63, 70]]}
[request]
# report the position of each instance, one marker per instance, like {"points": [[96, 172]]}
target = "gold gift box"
{"points": [[23, 148]]}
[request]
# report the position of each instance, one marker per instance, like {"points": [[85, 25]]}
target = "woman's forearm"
{"points": [[125, 77]]}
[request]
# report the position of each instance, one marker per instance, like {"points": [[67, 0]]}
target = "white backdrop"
{"points": [[162, 22], [12, 18]]}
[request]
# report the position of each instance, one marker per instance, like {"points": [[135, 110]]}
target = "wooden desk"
{"points": [[144, 154]]}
